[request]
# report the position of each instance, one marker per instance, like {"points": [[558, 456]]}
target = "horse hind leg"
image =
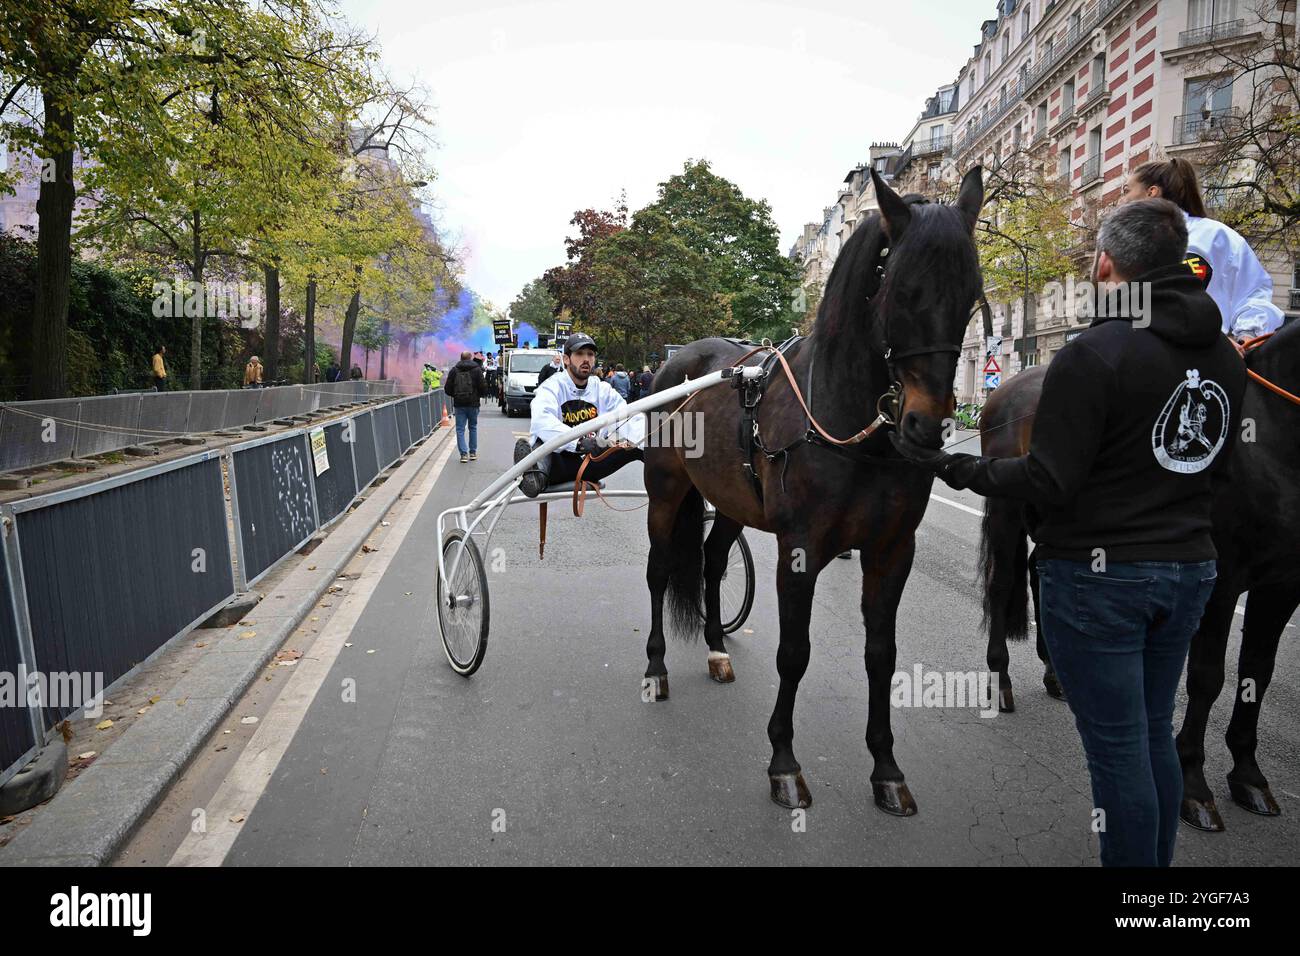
{"points": [[1267, 612], [717, 550], [1205, 663], [662, 514]]}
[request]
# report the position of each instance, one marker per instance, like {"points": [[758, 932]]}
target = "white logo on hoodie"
{"points": [[1192, 426]]}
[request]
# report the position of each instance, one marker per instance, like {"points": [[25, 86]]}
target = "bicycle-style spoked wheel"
{"points": [[736, 590], [463, 612]]}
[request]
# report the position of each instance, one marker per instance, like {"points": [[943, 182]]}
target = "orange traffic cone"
{"points": [[446, 422]]}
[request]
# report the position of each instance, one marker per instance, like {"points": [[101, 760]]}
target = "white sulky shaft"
{"points": [[610, 418]]}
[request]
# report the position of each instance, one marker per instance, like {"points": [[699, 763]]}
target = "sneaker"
{"points": [[473, 456], [464, 458], [534, 482]]}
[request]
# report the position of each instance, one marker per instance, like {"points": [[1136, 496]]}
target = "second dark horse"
{"points": [[1256, 530], [894, 312]]}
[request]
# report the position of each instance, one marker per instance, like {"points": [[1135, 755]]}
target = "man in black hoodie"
{"points": [[1136, 421], [466, 386]]}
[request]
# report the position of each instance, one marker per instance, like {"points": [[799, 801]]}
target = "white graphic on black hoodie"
{"points": [[1192, 426]]}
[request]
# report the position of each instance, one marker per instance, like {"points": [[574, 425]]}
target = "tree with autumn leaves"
{"points": [[701, 260]]}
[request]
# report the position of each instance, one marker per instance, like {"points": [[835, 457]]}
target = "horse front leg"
{"points": [[883, 579], [796, 581], [1267, 611], [1205, 665]]}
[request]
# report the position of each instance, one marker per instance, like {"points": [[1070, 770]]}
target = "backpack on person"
{"points": [[463, 389]]}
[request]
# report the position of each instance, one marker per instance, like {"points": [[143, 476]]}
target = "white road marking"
{"points": [[248, 779], [958, 505], [979, 514]]}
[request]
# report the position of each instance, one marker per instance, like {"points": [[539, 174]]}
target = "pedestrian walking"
{"points": [[333, 373], [1136, 423], [160, 369], [646, 380], [466, 386]]}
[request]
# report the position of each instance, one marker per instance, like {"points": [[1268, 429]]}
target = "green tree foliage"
{"points": [[535, 306], [738, 236]]}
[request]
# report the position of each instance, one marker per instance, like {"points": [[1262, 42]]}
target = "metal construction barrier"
{"points": [[43, 432], [97, 579], [114, 569], [18, 728]]}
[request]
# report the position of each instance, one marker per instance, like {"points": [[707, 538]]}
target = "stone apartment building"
{"points": [[1087, 90]]}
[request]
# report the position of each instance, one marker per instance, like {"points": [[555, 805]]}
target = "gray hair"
{"points": [[1143, 235]]}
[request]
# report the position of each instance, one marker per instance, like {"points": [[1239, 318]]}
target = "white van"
{"points": [[519, 377]]}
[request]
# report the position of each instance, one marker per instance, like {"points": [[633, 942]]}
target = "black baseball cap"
{"points": [[579, 340]]}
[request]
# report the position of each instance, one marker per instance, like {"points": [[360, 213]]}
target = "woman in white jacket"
{"points": [[1236, 281]]}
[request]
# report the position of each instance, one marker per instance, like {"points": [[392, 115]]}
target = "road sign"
{"points": [[993, 344], [992, 380], [992, 365]]}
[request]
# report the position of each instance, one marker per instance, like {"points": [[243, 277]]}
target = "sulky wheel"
{"points": [[736, 592], [463, 608]]}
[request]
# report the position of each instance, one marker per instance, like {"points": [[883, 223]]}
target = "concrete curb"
{"points": [[93, 817]]}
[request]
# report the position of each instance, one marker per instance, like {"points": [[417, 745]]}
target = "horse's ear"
{"points": [[970, 198], [894, 213]]}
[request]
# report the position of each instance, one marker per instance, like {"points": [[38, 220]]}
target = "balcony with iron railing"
{"points": [[1207, 125], [928, 147], [1295, 299], [1061, 51], [1098, 96], [1091, 170], [1228, 29]]}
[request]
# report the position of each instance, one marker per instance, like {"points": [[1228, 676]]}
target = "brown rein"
{"points": [[1250, 345]]}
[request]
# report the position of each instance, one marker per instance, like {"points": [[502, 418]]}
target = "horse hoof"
{"points": [[790, 790], [894, 798], [720, 668], [654, 688], [1255, 799], [1201, 815], [1054, 688], [1006, 701]]}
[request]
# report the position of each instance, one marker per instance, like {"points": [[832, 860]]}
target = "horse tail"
{"points": [[1004, 569], [686, 580]]}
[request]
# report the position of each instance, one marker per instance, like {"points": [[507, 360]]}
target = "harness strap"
{"points": [[1243, 348]]}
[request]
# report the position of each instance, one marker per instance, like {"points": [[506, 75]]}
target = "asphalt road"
{"points": [[548, 754]]}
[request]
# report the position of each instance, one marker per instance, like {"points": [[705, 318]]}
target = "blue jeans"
{"points": [[467, 416], [1118, 641]]}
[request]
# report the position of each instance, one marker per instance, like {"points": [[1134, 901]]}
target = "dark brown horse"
{"points": [[1256, 530], [894, 311]]}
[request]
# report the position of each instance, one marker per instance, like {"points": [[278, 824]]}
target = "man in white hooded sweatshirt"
{"points": [[566, 400]]}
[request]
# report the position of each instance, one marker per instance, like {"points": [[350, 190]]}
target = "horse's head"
{"points": [[931, 280]]}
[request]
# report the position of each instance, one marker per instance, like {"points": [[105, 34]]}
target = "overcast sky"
{"points": [[545, 108]]}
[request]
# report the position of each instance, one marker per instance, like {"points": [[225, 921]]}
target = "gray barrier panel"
{"points": [[336, 486], [116, 569], [241, 407], [272, 484], [107, 424], [422, 409], [208, 411], [24, 426], [285, 402], [386, 438], [16, 736], [404, 436], [363, 448], [165, 415], [413, 421]]}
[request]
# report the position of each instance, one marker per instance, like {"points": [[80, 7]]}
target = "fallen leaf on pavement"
{"points": [[154, 699], [104, 725], [366, 549], [237, 818], [247, 634], [87, 755], [248, 720]]}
